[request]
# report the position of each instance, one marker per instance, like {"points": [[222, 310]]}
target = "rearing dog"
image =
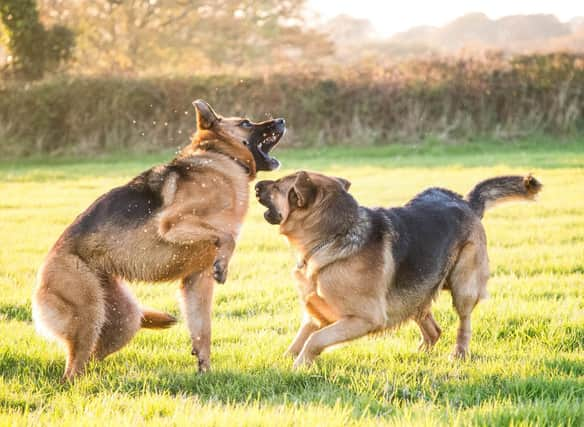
{"points": [[363, 270], [175, 221]]}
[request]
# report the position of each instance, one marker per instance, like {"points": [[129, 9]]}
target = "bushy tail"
{"points": [[491, 192], [152, 319]]}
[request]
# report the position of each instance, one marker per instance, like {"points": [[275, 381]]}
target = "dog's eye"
{"points": [[245, 124]]}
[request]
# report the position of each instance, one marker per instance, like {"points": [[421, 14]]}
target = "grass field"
{"points": [[527, 364]]}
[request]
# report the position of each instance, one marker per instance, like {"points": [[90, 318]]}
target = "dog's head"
{"points": [[300, 201], [249, 143]]}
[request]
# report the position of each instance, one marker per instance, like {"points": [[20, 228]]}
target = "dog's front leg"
{"points": [[316, 312], [197, 297], [225, 247], [189, 230], [344, 329], [307, 327]]}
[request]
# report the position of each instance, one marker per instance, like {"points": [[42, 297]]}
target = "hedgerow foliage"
{"points": [[452, 98]]}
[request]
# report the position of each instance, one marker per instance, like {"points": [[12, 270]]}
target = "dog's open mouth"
{"points": [[271, 214], [267, 144], [268, 139], [272, 217]]}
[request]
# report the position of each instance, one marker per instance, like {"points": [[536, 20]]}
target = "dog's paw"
{"points": [[425, 346], [291, 354], [204, 366], [300, 364], [459, 353], [302, 361], [66, 379], [203, 363], [220, 271]]}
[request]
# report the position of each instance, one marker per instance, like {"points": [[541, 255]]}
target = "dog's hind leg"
{"points": [[468, 285], [197, 298], [431, 331], [69, 305]]}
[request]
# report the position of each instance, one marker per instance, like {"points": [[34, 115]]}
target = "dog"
{"points": [[363, 270], [175, 221]]}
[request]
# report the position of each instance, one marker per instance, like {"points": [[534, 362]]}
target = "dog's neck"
{"points": [[339, 238], [208, 145], [303, 261]]}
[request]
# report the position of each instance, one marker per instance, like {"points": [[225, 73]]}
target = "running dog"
{"points": [[364, 270]]}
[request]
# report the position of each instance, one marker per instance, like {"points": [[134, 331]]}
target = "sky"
{"points": [[390, 17]]}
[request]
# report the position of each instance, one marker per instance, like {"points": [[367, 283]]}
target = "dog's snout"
{"points": [[261, 186], [259, 189], [262, 191]]}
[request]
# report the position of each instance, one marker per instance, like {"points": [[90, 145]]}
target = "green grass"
{"points": [[527, 364]]}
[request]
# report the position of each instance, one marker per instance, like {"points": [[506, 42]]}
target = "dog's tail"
{"points": [[491, 192], [152, 319]]}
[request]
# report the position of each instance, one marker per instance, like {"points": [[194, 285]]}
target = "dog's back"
{"points": [[427, 235], [140, 199], [433, 227]]}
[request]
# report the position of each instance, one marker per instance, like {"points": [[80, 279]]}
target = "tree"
{"points": [[131, 36], [34, 49]]}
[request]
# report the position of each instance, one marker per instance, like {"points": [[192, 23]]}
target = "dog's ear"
{"points": [[206, 116], [344, 182], [302, 192]]}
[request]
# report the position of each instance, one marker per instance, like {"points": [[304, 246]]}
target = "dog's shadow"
{"points": [[271, 386], [277, 386]]}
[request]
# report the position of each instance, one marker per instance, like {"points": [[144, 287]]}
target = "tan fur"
{"points": [[80, 298], [347, 292], [197, 297]]}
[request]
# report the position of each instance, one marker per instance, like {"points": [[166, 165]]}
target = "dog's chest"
{"points": [[240, 208], [305, 284]]}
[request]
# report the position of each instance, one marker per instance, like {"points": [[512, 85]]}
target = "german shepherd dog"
{"points": [[175, 221], [364, 270]]}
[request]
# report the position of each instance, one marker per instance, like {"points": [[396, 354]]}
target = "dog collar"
{"points": [[245, 167], [208, 146]]}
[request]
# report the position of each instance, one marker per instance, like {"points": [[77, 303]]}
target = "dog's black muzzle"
{"points": [[263, 195]]}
